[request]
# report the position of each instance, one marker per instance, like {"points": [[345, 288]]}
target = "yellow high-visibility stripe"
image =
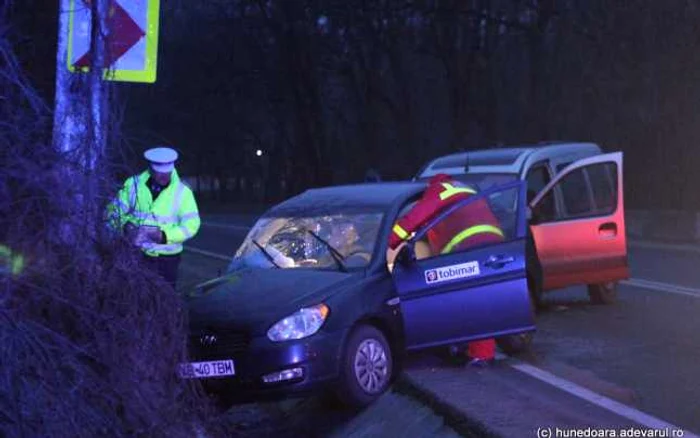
{"points": [[469, 232], [403, 235], [451, 190]]}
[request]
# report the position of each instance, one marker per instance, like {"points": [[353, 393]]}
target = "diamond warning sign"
{"points": [[132, 39]]}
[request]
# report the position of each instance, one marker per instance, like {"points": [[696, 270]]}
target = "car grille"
{"points": [[216, 343]]}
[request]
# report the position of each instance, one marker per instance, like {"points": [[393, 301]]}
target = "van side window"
{"points": [[586, 192], [575, 194], [603, 179], [537, 178], [577, 201], [542, 211]]}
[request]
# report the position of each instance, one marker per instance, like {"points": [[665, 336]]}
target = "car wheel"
{"points": [[366, 368], [515, 344], [605, 293]]}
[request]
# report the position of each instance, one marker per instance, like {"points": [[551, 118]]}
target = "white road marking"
{"points": [[662, 287], [618, 408]]}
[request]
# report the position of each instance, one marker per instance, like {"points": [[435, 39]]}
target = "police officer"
{"points": [[157, 213]]}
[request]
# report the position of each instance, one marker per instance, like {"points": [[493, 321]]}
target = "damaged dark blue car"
{"points": [[314, 301]]}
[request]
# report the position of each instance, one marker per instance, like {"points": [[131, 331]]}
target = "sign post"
{"points": [[131, 40], [98, 41]]}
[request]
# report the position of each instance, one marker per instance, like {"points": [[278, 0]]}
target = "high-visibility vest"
{"points": [[469, 225], [174, 211], [436, 198], [451, 232]]}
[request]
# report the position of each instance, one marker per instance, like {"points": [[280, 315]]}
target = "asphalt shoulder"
{"points": [[501, 401]]}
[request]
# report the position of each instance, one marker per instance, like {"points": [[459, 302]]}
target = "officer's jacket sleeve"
{"points": [[188, 222], [119, 210]]}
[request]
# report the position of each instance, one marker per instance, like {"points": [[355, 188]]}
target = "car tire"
{"points": [[604, 293], [366, 368], [514, 344]]}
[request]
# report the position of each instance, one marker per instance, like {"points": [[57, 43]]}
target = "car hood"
{"points": [[254, 298]]}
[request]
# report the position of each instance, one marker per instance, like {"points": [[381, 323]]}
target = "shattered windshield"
{"points": [[336, 241]]}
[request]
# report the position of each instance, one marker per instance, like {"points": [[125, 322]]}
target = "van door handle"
{"points": [[607, 230], [498, 261]]}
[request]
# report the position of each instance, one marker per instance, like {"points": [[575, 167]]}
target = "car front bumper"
{"points": [[318, 357]]}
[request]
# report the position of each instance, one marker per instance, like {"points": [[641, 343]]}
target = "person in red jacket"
{"points": [[469, 226]]}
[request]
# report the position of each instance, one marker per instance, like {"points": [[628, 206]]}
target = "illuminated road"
{"points": [[642, 351]]}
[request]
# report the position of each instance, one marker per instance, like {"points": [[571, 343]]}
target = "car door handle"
{"points": [[498, 261], [607, 230]]}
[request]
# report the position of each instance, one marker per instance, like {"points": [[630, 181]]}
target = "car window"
{"points": [[603, 178], [577, 200], [588, 191], [544, 211], [485, 181], [537, 179], [484, 221]]}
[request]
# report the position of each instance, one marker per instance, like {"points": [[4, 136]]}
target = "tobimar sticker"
{"points": [[453, 272]]}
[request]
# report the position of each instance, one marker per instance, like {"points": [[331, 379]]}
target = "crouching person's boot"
{"points": [[481, 353]]}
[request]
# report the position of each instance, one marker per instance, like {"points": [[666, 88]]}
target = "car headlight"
{"points": [[299, 325]]}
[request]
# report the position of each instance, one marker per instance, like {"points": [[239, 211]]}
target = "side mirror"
{"points": [[407, 255]]}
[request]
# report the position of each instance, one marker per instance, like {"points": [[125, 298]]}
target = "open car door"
{"points": [[467, 294], [578, 224]]}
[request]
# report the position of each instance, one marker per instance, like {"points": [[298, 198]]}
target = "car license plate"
{"points": [[203, 370]]}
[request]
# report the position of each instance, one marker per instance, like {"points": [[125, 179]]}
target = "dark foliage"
{"points": [[330, 88], [89, 341]]}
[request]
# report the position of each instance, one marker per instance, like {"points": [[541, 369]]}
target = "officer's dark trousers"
{"points": [[166, 266]]}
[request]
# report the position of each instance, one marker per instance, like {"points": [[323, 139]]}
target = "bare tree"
{"points": [[90, 340]]}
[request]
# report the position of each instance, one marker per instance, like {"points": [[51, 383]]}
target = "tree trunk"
{"points": [[80, 123]]}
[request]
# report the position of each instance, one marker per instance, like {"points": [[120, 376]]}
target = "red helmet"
{"points": [[440, 178]]}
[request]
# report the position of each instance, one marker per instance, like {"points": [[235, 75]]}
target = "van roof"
{"points": [[487, 157], [504, 160]]}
